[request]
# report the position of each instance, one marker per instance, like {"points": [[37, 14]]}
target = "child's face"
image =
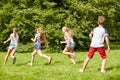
{"points": [[37, 31], [63, 30], [14, 31]]}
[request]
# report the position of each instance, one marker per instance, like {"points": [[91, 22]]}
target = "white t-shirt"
{"points": [[99, 33], [14, 40], [71, 39]]}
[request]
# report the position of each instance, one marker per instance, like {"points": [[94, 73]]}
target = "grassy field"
{"points": [[61, 67]]}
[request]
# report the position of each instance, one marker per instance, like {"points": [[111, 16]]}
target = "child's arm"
{"points": [[8, 39], [108, 43], [62, 42], [33, 39], [90, 36]]}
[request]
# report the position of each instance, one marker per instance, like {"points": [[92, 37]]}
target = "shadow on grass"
{"points": [[79, 62], [20, 64], [111, 68], [52, 63]]}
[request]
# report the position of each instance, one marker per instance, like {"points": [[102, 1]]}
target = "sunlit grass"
{"points": [[61, 67]]}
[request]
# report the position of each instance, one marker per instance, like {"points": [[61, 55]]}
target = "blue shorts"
{"points": [[71, 45], [37, 45], [13, 46]]}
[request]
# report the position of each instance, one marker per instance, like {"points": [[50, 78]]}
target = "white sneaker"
{"points": [[103, 71], [74, 56], [81, 70]]}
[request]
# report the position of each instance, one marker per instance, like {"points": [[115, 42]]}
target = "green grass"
{"points": [[61, 67]]}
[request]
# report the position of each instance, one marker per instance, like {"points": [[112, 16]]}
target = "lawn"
{"points": [[61, 67]]}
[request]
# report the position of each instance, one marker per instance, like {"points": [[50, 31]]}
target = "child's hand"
{"points": [[60, 42], [108, 49], [5, 42], [32, 39]]}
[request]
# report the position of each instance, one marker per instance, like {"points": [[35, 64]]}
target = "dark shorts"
{"points": [[101, 51], [37, 45]]}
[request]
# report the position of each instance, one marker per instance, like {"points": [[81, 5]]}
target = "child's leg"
{"points": [[73, 61], [66, 51], [102, 53], [103, 64], [85, 64], [7, 55], [32, 59], [12, 55], [71, 57], [90, 55], [44, 56]]}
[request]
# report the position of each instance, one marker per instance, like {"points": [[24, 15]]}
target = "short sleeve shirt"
{"points": [[99, 33]]}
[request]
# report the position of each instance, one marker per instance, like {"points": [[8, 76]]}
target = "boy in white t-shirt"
{"points": [[97, 37], [13, 45]]}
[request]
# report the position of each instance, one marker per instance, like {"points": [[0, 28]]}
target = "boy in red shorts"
{"points": [[97, 37]]}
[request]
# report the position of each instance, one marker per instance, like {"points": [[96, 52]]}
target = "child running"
{"points": [[68, 50], [13, 45], [39, 38], [97, 37]]}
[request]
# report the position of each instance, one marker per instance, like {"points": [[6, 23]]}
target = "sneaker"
{"points": [[74, 56], [81, 70], [103, 71], [50, 60], [14, 60]]}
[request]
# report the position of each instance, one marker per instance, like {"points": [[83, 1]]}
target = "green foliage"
{"points": [[80, 15], [22, 48]]}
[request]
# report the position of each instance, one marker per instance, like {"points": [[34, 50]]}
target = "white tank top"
{"points": [[14, 40], [71, 39]]}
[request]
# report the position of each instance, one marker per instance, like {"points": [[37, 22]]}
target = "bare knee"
{"points": [[40, 55], [63, 52], [88, 58], [33, 55]]}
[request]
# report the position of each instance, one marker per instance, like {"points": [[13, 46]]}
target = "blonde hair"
{"points": [[16, 29], [68, 30]]}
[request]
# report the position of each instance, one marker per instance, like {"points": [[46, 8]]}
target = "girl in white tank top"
{"points": [[68, 50], [13, 45]]}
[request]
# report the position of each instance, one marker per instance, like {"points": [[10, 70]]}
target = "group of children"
{"points": [[97, 36]]}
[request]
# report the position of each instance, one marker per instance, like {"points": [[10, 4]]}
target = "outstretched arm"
{"points": [[8, 39], [108, 43], [62, 42], [33, 39]]}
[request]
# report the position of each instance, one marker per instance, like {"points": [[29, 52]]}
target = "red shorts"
{"points": [[101, 51]]}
